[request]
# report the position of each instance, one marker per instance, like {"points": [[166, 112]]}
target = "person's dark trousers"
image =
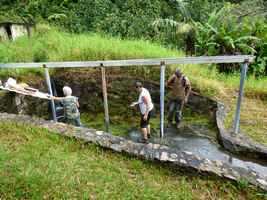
{"points": [[175, 109], [74, 122]]}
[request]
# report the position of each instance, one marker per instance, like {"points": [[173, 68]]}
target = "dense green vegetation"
{"points": [[199, 27], [38, 164], [49, 44]]}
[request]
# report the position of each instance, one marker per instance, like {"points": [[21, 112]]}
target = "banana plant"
{"points": [[224, 34]]}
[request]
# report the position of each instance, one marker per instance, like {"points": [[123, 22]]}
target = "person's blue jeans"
{"points": [[175, 110]]}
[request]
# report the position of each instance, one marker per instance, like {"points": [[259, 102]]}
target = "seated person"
{"points": [[71, 105]]}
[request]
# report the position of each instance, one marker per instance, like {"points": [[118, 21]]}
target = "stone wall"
{"points": [[87, 86], [148, 151], [18, 30], [237, 143], [3, 34]]}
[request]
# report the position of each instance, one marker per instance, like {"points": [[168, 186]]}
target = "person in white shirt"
{"points": [[146, 106]]}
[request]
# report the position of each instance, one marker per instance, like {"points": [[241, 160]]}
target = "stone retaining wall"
{"points": [[148, 151], [237, 143]]}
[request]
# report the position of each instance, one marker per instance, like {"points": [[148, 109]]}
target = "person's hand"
{"points": [[145, 117], [52, 97], [133, 104], [171, 86]]}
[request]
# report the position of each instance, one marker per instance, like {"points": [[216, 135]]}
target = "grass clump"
{"points": [[38, 164]]}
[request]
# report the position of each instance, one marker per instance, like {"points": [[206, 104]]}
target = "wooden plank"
{"points": [[134, 62], [28, 93]]}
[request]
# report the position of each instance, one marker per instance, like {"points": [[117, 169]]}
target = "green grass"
{"points": [[48, 44], [210, 82], [38, 164]]}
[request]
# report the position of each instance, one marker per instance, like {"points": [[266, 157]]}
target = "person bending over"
{"points": [[146, 106]]}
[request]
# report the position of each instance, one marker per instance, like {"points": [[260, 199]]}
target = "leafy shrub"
{"points": [[228, 31], [201, 27]]}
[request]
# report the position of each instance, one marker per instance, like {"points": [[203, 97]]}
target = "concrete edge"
{"points": [[148, 151]]}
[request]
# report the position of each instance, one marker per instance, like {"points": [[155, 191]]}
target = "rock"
{"points": [[237, 143]]}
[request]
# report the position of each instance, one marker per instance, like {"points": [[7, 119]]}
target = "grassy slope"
{"points": [[37, 164], [48, 44]]}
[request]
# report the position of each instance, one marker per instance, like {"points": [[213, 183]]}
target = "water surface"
{"points": [[203, 147]]}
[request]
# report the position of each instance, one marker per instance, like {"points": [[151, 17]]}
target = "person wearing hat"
{"points": [[146, 106], [179, 92]]}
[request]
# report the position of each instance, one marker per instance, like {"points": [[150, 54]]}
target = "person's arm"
{"points": [[77, 103], [134, 104], [57, 98], [170, 81]]}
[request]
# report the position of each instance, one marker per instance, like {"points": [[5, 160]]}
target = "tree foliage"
{"points": [[200, 27]]}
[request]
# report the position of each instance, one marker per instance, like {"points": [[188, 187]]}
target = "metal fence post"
{"points": [[240, 96], [105, 96], [48, 82], [162, 87]]}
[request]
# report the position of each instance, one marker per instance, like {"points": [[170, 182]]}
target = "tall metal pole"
{"points": [[105, 97], [48, 82], [240, 96], [162, 87]]}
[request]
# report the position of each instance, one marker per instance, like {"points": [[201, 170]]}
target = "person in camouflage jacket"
{"points": [[71, 105], [180, 89]]}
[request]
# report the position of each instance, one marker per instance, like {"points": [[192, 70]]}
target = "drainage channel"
{"points": [[204, 148]]}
